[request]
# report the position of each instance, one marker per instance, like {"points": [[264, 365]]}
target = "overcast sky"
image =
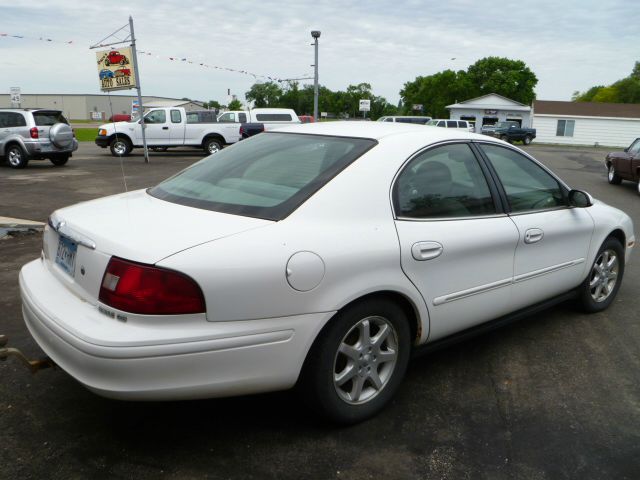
{"points": [[570, 45]]}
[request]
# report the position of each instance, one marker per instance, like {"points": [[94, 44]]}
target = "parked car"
{"points": [[37, 134], [270, 117], [488, 129], [167, 128], [624, 165], [306, 119], [420, 120], [320, 255], [512, 131], [444, 123], [120, 117]]}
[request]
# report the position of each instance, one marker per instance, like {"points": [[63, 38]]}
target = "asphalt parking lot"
{"points": [[554, 396]]}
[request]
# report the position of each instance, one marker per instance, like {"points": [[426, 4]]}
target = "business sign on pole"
{"points": [[417, 106], [115, 69], [365, 105], [135, 108], [14, 93]]}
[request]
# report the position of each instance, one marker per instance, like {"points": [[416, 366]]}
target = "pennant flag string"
{"points": [[256, 76]]}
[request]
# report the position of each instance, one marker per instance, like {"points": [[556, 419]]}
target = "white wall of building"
{"points": [[610, 132], [500, 116]]}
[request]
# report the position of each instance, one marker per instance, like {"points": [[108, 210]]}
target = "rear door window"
{"points": [[452, 124], [176, 117]]}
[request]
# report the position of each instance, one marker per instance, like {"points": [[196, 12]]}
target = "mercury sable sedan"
{"points": [[318, 255]]}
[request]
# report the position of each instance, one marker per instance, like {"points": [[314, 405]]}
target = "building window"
{"points": [[565, 128]]}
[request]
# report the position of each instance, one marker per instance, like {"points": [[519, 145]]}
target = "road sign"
{"points": [[14, 93], [115, 69], [417, 106], [365, 105]]}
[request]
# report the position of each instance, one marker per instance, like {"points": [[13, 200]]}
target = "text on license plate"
{"points": [[66, 255]]}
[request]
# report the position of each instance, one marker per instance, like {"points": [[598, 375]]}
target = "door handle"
{"points": [[533, 235], [165, 128], [426, 250]]}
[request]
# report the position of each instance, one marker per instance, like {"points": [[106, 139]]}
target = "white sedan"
{"points": [[321, 255]]}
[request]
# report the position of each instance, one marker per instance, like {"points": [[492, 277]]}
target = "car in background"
{"points": [[488, 129], [447, 123], [513, 131], [35, 134], [306, 119], [624, 165], [416, 119], [319, 255], [105, 73]]}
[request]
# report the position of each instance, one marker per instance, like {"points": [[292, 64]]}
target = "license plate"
{"points": [[66, 255]]}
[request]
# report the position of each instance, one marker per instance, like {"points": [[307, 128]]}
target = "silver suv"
{"points": [[35, 134]]}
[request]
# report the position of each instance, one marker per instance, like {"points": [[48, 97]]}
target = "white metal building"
{"points": [[490, 109], [90, 107], [586, 123]]}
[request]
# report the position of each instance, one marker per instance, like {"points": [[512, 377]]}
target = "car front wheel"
{"points": [[527, 140], [16, 157], [212, 146], [120, 147], [601, 285], [59, 160], [356, 365], [612, 176]]}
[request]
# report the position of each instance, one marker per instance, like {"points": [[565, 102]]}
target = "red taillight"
{"points": [[241, 130], [148, 290], [33, 132]]}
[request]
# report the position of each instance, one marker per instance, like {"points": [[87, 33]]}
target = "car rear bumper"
{"points": [[46, 149], [206, 359]]}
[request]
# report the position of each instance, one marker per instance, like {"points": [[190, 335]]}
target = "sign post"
{"points": [[14, 93], [365, 106], [118, 70]]}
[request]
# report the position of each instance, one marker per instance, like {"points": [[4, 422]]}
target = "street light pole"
{"points": [[315, 34]]}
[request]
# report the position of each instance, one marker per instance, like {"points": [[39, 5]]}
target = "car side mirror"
{"points": [[578, 198]]}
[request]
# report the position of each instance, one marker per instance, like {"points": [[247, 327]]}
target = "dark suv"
{"points": [[35, 134]]}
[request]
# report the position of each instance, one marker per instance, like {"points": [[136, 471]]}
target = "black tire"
{"points": [[59, 160], [211, 146], [505, 138], [16, 157], [120, 147], [527, 140], [612, 177], [600, 288], [319, 385]]}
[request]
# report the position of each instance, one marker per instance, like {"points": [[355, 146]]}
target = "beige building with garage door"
{"points": [[97, 107]]}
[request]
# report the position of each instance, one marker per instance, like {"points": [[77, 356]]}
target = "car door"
{"points": [[157, 129], [626, 160], [554, 239], [177, 127], [456, 242]]}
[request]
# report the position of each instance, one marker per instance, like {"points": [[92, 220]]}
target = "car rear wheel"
{"points": [[59, 160], [601, 285], [356, 365], [120, 147], [527, 140], [211, 146], [612, 176], [16, 157]]}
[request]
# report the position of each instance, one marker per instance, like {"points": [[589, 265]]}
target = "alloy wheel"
{"points": [[120, 148], [15, 157], [365, 360], [604, 275]]}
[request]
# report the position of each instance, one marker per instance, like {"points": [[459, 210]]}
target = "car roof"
{"points": [[381, 130]]}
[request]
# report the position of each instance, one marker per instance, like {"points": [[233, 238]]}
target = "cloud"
{"points": [[571, 46]]}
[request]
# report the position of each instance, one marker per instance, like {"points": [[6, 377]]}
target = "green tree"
{"points": [[264, 94], [235, 104], [212, 104], [626, 90], [506, 77]]}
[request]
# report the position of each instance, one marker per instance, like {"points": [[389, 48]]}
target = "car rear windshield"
{"points": [[267, 176], [47, 119]]}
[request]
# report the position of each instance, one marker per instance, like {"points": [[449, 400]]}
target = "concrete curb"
{"points": [[10, 225]]}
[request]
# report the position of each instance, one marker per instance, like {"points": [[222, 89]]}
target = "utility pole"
{"points": [[316, 35]]}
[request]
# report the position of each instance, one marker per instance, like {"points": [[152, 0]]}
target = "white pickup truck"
{"points": [[166, 128]]}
